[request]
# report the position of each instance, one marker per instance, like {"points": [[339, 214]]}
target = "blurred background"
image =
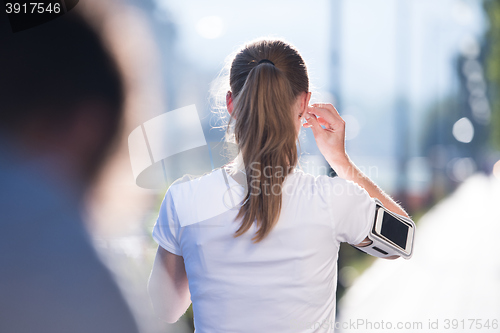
{"points": [[418, 84]]}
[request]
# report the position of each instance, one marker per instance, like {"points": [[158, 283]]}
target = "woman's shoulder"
{"points": [[195, 179], [189, 177]]}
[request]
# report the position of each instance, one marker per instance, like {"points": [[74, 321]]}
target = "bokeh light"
{"points": [[496, 169], [210, 27], [463, 130]]}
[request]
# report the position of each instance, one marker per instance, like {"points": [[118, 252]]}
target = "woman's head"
{"points": [[268, 98], [286, 82]]}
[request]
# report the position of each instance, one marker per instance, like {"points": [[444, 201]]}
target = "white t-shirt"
{"points": [[286, 282]]}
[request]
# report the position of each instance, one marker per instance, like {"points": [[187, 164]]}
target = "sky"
{"points": [[369, 35], [303, 25]]}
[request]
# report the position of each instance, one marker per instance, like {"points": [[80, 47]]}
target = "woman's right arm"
{"points": [[331, 143], [168, 286]]}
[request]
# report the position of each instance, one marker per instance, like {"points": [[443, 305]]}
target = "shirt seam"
{"points": [[177, 224], [166, 246]]}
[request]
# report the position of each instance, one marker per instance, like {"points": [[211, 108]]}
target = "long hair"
{"points": [[264, 95]]}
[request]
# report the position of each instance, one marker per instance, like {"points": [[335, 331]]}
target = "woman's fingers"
{"points": [[329, 112], [328, 115], [327, 107], [322, 121], [313, 124], [321, 112]]}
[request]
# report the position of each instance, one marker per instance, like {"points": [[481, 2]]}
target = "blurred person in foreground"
{"points": [[61, 98], [269, 262]]}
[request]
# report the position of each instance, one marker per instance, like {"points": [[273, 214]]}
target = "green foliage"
{"points": [[492, 8]]}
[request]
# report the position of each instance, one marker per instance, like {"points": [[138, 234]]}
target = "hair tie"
{"points": [[266, 60]]}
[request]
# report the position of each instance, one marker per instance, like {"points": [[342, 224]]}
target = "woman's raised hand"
{"points": [[331, 143], [331, 139]]}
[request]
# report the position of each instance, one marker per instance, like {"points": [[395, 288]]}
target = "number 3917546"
{"points": [[32, 8]]}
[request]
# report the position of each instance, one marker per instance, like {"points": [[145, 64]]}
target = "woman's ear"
{"points": [[306, 98], [229, 102]]}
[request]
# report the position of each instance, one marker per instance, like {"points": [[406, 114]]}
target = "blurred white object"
{"points": [[157, 139], [463, 130]]}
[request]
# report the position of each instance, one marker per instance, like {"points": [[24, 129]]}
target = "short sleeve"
{"points": [[167, 227], [353, 210]]}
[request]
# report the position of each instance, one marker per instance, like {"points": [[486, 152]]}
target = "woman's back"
{"points": [[284, 283]]}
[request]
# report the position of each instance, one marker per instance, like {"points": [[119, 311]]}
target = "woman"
{"points": [[270, 265]]}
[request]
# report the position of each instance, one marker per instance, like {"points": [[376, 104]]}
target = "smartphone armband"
{"points": [[390, 234]]}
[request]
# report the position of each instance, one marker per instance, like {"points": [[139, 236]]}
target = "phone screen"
{"points": [[394, 230]]}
